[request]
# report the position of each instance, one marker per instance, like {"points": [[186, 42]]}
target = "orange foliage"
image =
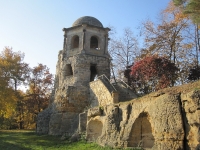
{"points": [[177, 14]]}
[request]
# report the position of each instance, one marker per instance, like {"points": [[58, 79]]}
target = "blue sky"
{"points": [[35, 26]]}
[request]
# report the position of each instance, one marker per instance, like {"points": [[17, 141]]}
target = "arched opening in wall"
{"points": [[75, 41], [141, 133], [94, 130], [93, 72], [94, 43], [69, 71]]}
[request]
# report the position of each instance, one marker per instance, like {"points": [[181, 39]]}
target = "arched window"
{"points": [[94, 43], [75, 41]]}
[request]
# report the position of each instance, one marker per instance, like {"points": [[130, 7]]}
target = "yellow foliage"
{"points": [[8, 102], [11, 71], [174, 11], [188, 46]]}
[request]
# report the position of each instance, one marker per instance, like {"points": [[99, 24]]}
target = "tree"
{"points": [[166, 38], [170, 38], [190, 34], [194, 73], [39, 92], [13, 72], [191, 8], [152, 73], [123, 51], [19, 108], [13, 69], [127, 74]]}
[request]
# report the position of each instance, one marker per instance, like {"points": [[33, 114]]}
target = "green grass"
{"points": [[29, 140]]}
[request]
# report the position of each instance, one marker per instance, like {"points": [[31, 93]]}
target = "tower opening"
{"points": [[141, 133], [93, 72], [75, 41], [94, 43], [69, 70]]}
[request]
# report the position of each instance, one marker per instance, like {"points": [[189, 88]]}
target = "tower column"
{"points": [[84, 30], [64, 42], [106, 43]]}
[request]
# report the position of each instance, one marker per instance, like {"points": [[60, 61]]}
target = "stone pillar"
{"points": [[84, 30], [105, 43], [64, 42]]}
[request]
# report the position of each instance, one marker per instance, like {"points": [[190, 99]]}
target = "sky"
{"points": [[34, 27]]}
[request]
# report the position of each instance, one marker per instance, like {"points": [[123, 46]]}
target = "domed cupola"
{"points": [[88, 20], [86, 36]]}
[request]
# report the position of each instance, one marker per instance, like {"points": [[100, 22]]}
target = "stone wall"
{"points": [[125, 92], [43, 121], [100, 94], [72, 93], [167, 119], [191, 116]]}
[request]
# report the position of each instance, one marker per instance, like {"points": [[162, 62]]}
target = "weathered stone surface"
{"points": [[191, 105], [43, 121], [125, 93], [102, 92], [84, 56], [167, 119], [82, 122], [87, 20]]}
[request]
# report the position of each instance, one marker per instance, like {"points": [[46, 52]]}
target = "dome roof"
{"points": [[88, 20]]}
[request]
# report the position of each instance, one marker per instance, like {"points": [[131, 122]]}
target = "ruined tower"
{"points": [[83, 58], [166, 119]]}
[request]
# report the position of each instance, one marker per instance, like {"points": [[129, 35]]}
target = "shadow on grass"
{"points": [[10, 146], [28, 140], [8, 141]]}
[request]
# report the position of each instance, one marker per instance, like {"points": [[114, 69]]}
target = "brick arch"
{"points": [[141, 132], [94, 130]]}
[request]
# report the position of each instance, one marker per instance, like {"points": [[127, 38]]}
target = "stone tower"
{"points": [[83, 58]]}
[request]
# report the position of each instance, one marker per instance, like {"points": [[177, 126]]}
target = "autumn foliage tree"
{"points": [[190, 7], [39, 91], [13, 73], [173, 36], [152, 73], [17, 108]]}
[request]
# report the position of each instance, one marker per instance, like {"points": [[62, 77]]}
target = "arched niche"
{"points": [[94, 130], [75, 42], [141, 133], [94, 43]]}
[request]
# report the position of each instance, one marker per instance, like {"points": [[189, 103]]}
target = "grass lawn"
{"points": [[28, 140]]}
